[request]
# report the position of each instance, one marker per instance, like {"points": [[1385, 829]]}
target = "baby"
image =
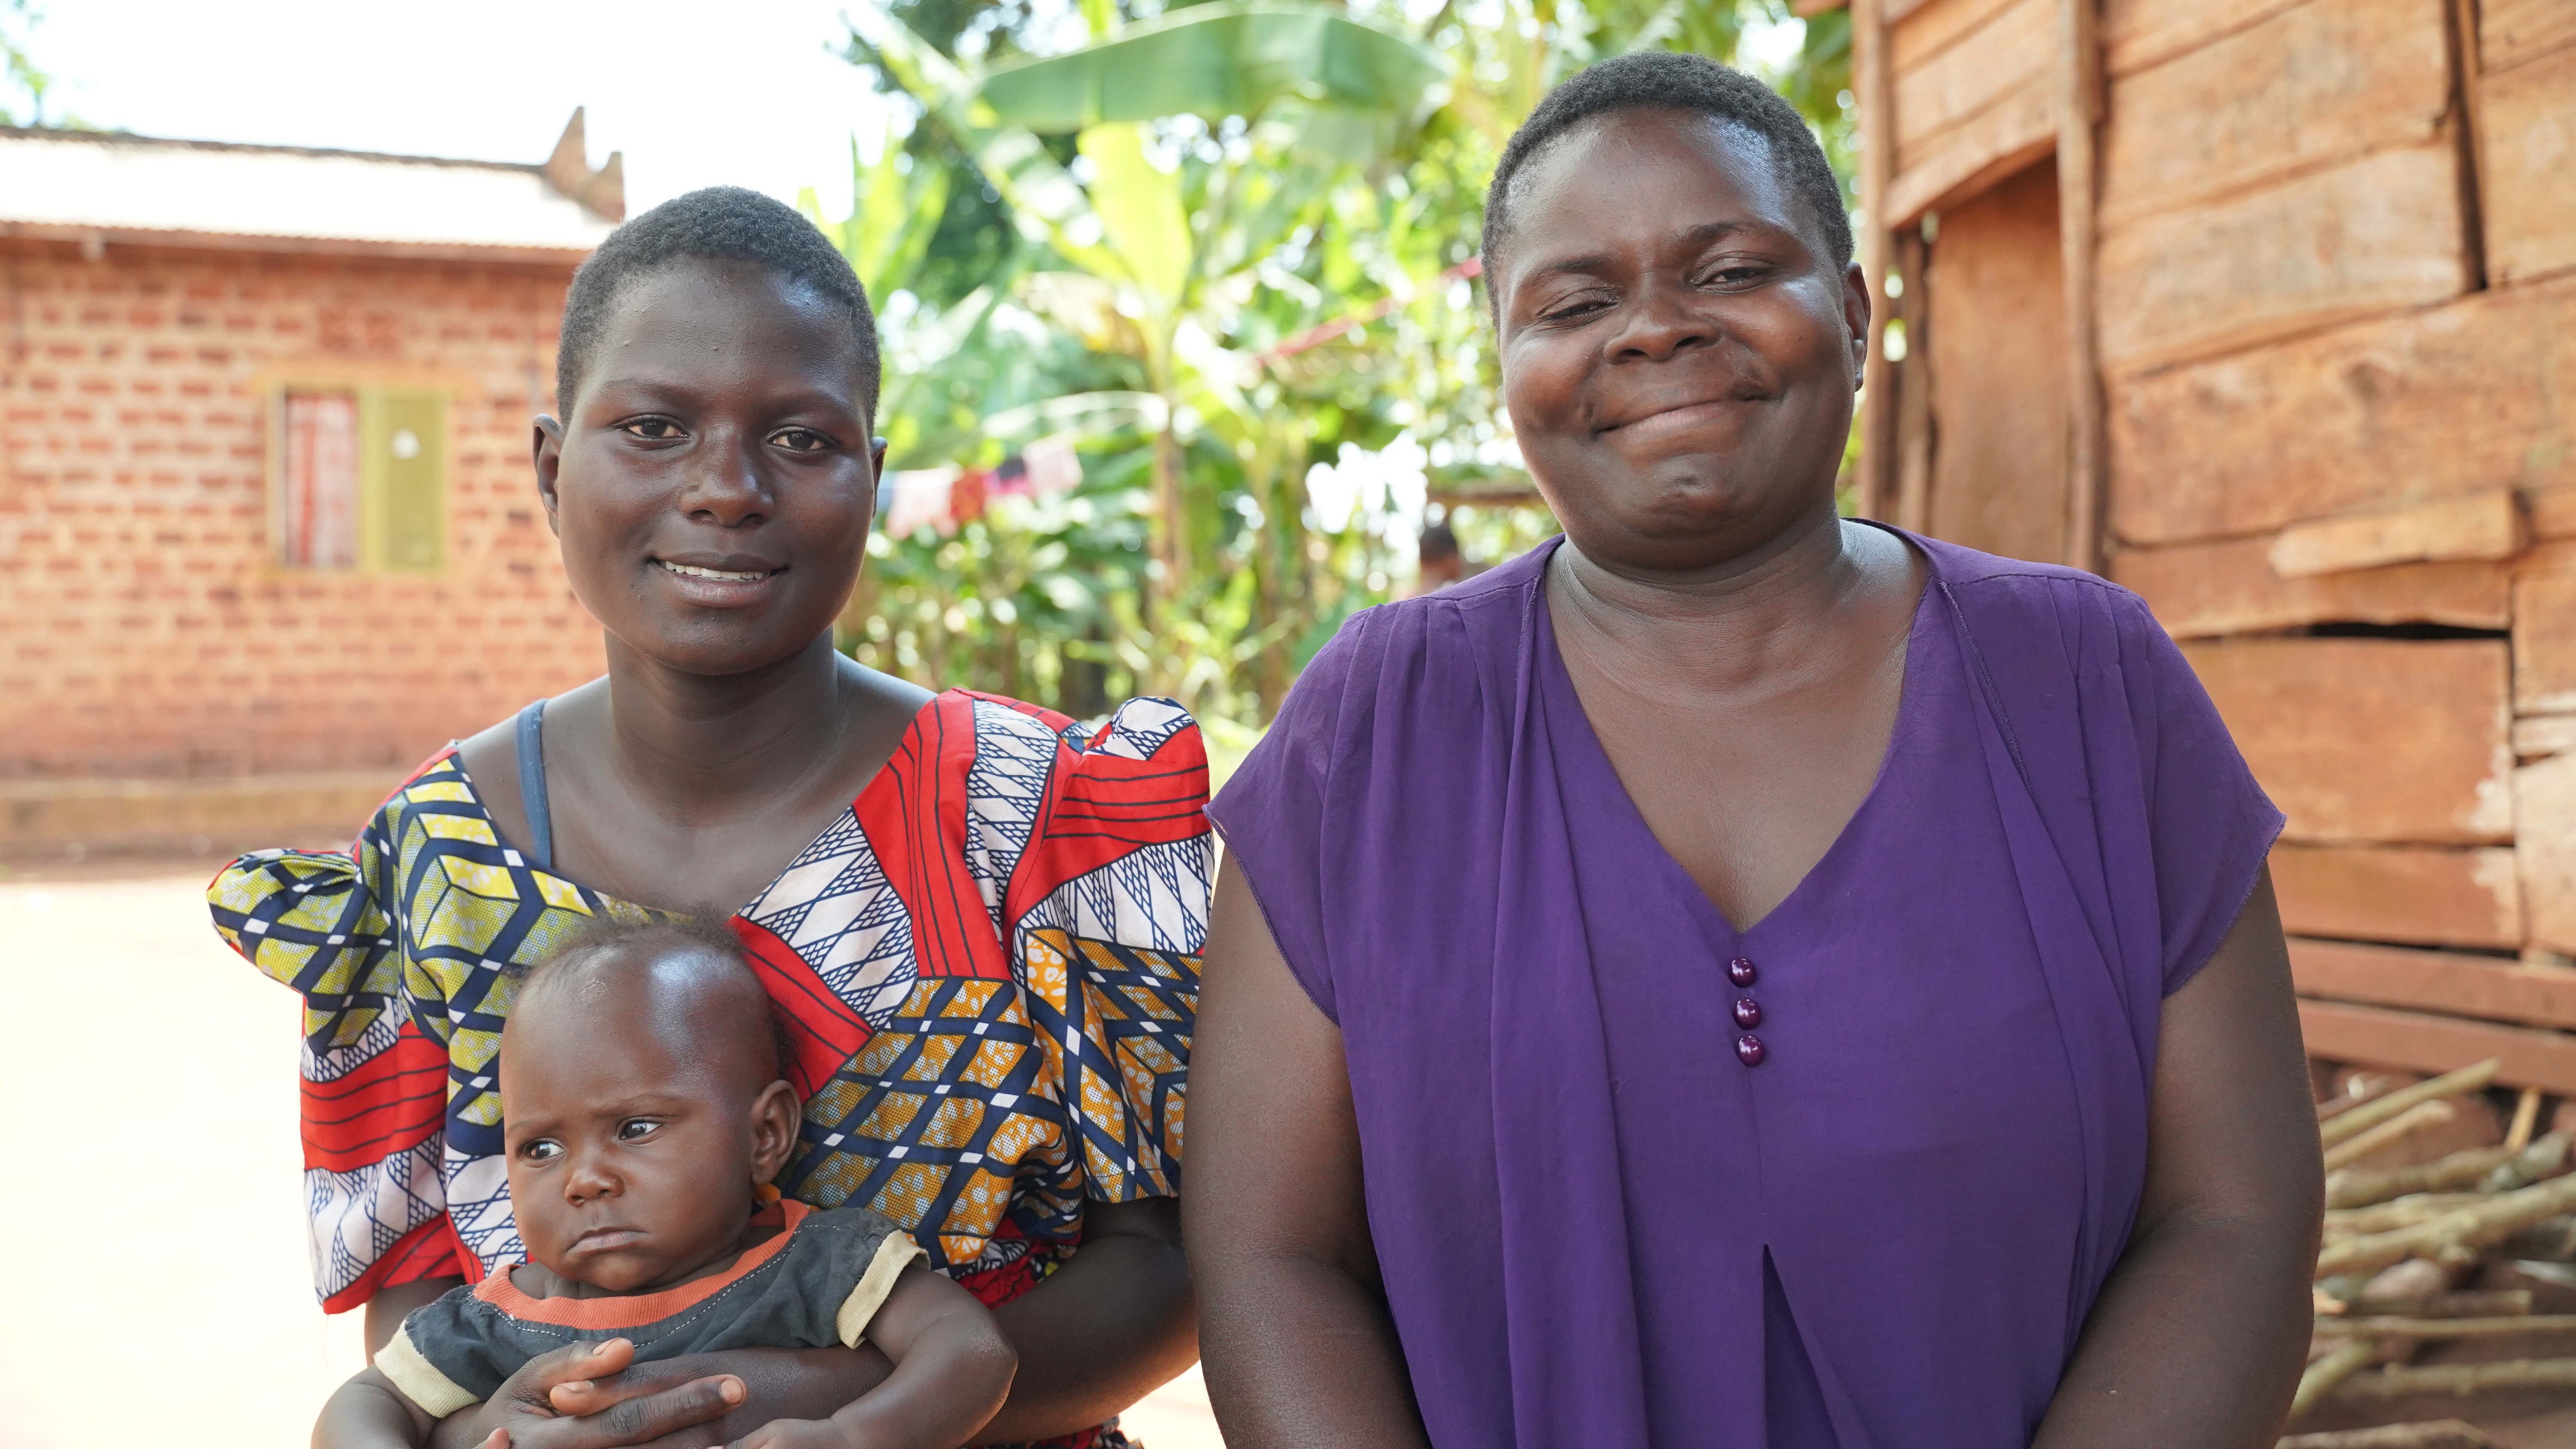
{"points": [[644, 1118]]}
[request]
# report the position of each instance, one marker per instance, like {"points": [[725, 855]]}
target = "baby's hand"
{"points": [[797, 1434]]}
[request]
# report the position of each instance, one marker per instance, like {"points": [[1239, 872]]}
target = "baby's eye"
{"points": [[636, 1129], [543, 1149]]}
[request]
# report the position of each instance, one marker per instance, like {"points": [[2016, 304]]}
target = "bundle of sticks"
{"points": [[2410, 1317]]}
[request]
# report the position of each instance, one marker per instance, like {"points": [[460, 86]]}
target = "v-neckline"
{"points": [[911, 727], [1566, 716]]}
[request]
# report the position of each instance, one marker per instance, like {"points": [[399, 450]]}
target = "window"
{"points": [[361, 480], [317, 512]]}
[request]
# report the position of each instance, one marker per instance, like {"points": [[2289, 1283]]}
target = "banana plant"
{"points": [[1317, 93], [1346, 87], [895, 206]]}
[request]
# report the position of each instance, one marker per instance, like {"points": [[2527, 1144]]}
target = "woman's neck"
{"points": [[709, 744], [1725, 626]]}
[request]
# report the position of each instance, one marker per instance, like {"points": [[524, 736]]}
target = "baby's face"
{"points": [[630, 1145]]}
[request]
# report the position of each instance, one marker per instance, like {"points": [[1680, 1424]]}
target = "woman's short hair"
{"points": [[1664, 79], [718, 223]]}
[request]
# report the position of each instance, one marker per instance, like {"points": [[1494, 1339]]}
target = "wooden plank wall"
{"points": [[2332, 313], [2337, 312], [1975, 99]]}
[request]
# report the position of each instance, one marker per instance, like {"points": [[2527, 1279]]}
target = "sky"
{"points": [[746, 92]]}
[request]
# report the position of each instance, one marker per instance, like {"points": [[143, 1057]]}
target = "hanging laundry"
{"points": [[1011, 480], [966, 499], [945, 498], [916, 497], [1053, 465], [1048, 466]]}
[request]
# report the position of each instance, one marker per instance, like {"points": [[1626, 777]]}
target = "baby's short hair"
{"points": [[702, 932]]}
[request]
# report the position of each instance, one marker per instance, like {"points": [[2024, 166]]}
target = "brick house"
{"points": [[267, 529]]}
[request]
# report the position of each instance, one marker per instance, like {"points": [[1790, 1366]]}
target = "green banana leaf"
{"points": [[1139, 209], [1047, 205], [895, 212], [1213, 61]]}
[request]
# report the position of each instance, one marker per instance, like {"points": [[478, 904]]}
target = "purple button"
{"points": [[1748, 1049], [1741, 972], [1748, 1013]]}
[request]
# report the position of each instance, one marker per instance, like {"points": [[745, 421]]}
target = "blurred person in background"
{"points": [[962, 907], [1441, 562], [1737, 976]]}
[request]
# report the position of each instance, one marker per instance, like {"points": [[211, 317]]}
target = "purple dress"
{"points": [[1604, 1214]]}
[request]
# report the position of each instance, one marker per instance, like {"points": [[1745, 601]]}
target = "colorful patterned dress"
{"points": [[989, 966]]}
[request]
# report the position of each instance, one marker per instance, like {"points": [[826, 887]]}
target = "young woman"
{"points": [[978, 922], [1736, 976]]}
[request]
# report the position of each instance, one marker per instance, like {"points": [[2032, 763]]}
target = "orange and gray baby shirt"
{"points": [[815, 1284]]}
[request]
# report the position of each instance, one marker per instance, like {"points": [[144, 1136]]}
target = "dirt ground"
{"points": [[160, 1284]]}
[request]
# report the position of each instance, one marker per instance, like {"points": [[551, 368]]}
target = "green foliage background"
{"points": [[22, 83], [1106, 225]]}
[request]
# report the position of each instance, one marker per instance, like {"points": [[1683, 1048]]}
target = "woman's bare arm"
{"points": [[1292, 1322], [2198, 1338], [390, 1306], [1116, 1322]]}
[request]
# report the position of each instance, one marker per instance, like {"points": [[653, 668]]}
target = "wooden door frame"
{"points": [[1878, 487]]}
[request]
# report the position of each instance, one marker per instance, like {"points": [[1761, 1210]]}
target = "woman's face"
{"points": [[1678, 354], [713, 482]]}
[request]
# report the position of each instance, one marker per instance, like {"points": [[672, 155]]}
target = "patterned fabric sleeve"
{"points": [[374, 1086], [1108, 905]]}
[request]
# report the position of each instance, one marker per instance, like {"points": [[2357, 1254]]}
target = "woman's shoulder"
{"points": [[1135, 777], [2012, 602], [1469, 629], [1145, 728], [288, 910], [1962, 567], [437, 784], [295, 912]]}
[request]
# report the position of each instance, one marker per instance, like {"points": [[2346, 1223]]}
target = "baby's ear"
{"points": [[774, 1117]]}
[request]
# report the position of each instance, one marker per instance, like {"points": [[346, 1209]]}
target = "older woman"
{"points": [[977, 921], [1739, 976]]}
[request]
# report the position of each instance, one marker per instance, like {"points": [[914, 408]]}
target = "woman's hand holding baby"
{"points": [[591, 1396]]}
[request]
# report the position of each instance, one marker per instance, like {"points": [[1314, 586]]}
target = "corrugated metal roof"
{"points": [[206, 193]]}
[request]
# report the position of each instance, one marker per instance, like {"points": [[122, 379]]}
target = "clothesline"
{"points": [[946, 497], [1317, 336], [949, 496]]}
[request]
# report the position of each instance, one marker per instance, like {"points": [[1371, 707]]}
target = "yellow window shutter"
{"points": [[402, 480]]}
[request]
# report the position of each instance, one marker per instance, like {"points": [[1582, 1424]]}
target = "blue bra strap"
{"points": [[532, 786]]}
